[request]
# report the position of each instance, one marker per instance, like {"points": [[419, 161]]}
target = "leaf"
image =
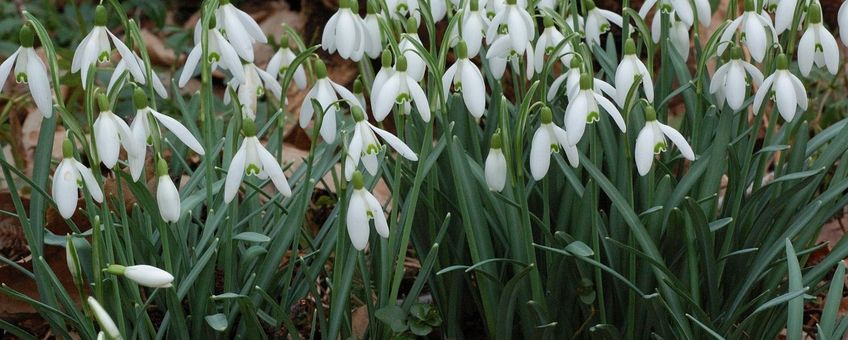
{"points": [[579, 248], [250, 236], [218, 322], [795, 313], [833, 301], [389, 314]]}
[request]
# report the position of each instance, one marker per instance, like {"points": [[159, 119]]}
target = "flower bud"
{"points": [[143, 274], [106, 324]]}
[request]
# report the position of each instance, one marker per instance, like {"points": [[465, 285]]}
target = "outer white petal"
{"points": [[625, 76], [756, 39], [540, 153], [379, 217], [229, 57], [570, 150], [328, 38], [106, 324], [328, 126], [762, 92], [420, 99], [646, 7], [386, 97], [90, 183], [612, 17], [830, 50], [555, 85], [180, 131], [306, 109], [65, 189], [644, 152], [575, 118], [473, 89], [704, 12], [107, 140], [756, 75], [735, 86], [357, 221], [784, 14], [274, 171], [806, 49], [39, 84], [346, 95], [647, 82], [448, 78], [800, 92], [678, 140], [517, 31], [727, 34], [395, 142], [495, 170], [354, 151], [612, 111], [250, 25], [238, 37], [190, 65], [787, 102], [149, 276], [370, 163], [719, 76], [79, 53], [842, 20], [235, 174], [6, 67], [129, 58], [168, 198], [270, 83], [345, 34]]}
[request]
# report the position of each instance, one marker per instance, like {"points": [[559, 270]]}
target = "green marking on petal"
{"points": [[21, 78], [503, 30], [283, 69], [260, 91], [660, 147], [403, 98], [372, 149], [252, 169], [818, 48], [214, 57], [554, 148], [592, 117], [104, 57]]}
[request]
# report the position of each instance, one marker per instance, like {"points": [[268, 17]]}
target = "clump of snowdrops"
{"points": [[549, 178]]}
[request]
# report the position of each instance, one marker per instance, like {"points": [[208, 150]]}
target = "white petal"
{"points": [[718, 79], [346, 95], [190, 65], [787, 103], [735, 86], [395, 142], [180, 131], [386, 98], [784, 14], [39, 85], [238, 37], [65, 189], [806, 49], [420, 99], [570, 150], [756, 75], [540, 153], [306, 109], [448, 78], [762, 92], [274, 171], [149, 276], [354, 151], [495, 170], [575, 119], [6, 67], [90, 183], [800, 92], [624, 77], [610, 108], [379, 217], [345, 34], [357, 221], [107, 140], [250, 25], [728, 34], [644, 152], [235, 174], [678, 140], [328, 38], [129, 58], [168, 199], [473, 89], [557, 83], [830, 50], [328, 125], [755, 39]]}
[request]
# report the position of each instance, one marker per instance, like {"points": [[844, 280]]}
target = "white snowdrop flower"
{"points": [[520, 28], [584, 110], [678, 34], [324, 91], [547, 140], [467, 79], [345, 32], [495, 167], [221, 53], [144, 275], [785, 89], [282, 60], [570, 78], [142, 135], [651, 141], [628, 72], [374, 36], [167, 195], [472, 27], [239, 28], [785, 12], [399, 88], [497, 64], [581, 23], [365, 146], [501, 51], [106, 324], [817, 45], [770, 5], [598, 22], [96, 47], [547, 43], [256, 81], [757, 32], [110, 133], [438, 9], [362, 207], [842, 21], [253, 159], [415, 63], [495, 6], [385, 72], [731, 79], [400, 9], [683, 8], [70, 176], [30, 70], [121, 67]]}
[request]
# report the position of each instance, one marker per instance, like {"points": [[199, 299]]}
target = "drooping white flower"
{"points": [[496, 6], [785, 89], [69, 177], [519, 27], [628, 72], [239, 28], [584, 110], [325, 92], [362, 207], [96, 47], [842, 21], [345, 32], [547, 43], [472, 27], [547, 140], [29, 69], [256, 81], [221, 53], [495, 167], [386, 71], [678, 34], [416, 67], [570, 78], [400, 9], [374, 37], [142, 132], [121, 67], [142, 274], [785, 13], [817, 45], [365, 146], [167, 195], [598, 22], [683, 8], [106, 324], [731, 79], [467, 79], [253, 159], [501, 51], [651, 141], [399, 88], [110, 133], [757, 32], [282, 60]]}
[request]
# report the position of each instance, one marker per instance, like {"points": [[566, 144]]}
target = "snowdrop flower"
{"points": [[282, 60], [785, 13], [495, 167], [142, 135], [547, 140], [571, 78], [365, 146], [385, 72], [785, 89], [256, 81], [345, 32], [253, 159], [598, 22], [497, 64], [683, 8], [95, 47], [628, 72], [438, 9], [519, 26], [362, 207], [374, 37], [678, 34], [29, 69], [842, 20], [466, 78], [415, 63], [817, 44], [399, 88], [584, 110], [142, 274], [547, 43], [501, 51], [221, 53], [581, 23], [730, 80], [70, 175], [651, 141], [473, 27], [121, 67], [496, 6], [167, 195], [110, 132], [106, 324], [398, 9], [324, 91], [757, 32], [240, 29]]}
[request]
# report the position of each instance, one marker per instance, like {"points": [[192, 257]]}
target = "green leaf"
{"points": [[579, 249], [218, 321], [833, 301], [795, 312], [250, 236]]}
